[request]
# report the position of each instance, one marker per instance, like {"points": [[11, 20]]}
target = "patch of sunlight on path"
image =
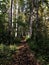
{"points": [[16, 47]]}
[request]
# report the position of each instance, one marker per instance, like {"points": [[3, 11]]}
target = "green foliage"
{"points": [[6, 53]]}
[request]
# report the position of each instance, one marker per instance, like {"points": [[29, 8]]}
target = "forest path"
{"points": [[24, 56]]}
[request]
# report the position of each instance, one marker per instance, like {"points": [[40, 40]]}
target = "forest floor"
{"points": [[24, 56], [21, 56]]}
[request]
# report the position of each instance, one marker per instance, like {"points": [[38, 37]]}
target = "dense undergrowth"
{"points": [[41, 51], [6, 54]]}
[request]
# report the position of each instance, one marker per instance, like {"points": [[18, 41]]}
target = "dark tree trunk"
{"points": [[10, 22]]}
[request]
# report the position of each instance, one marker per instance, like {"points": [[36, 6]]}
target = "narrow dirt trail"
{"points": [[19, 47], [24, 56]]}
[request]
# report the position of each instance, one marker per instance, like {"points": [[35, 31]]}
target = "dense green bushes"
{"points": [[6, 54], [41, 50]]}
